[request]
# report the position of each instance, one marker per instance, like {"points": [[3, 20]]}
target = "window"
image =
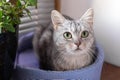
{"points": [[41, 15]]}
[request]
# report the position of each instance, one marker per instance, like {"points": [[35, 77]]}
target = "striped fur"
{"points": [[57, 53]]}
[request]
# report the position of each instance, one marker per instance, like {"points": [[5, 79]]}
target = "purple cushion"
{"points": [[27, 65]]}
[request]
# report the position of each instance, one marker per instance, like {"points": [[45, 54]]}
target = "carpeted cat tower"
{"points": [[26, 65]]}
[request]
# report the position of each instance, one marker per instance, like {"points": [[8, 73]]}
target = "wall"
{"points": [[74, 8], [107, 28]]}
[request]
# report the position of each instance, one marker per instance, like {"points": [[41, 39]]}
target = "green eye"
{"points": [[85, 34], [67, 35]]}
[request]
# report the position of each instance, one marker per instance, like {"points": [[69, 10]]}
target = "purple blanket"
{"points": [[27, 65]]}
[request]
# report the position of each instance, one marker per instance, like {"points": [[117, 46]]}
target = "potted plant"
{"points": [[10, 13]]}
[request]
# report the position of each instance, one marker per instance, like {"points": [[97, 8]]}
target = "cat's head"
{"points": [[73, 35]]}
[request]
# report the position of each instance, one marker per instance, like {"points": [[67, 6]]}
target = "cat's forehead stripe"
{"points": [[75, 27]]}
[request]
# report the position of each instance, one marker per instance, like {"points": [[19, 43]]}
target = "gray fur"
{"points": [[57, 53]]}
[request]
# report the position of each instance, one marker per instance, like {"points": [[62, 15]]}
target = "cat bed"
{"points": [[26, 65]]}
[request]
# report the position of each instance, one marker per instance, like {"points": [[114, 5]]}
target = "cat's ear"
{"points": [[88, 17], [57, 18]]}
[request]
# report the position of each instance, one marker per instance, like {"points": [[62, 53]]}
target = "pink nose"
{"points": [[78, 43]]}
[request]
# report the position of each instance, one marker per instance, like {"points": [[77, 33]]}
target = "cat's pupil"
{"points": [[85, 34], [67, 35]]}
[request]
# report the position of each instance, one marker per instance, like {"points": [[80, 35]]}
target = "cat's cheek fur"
{"points": [[70, 48], [84, 45]]}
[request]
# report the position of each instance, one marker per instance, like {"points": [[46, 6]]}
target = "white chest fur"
{"points": [[71, 62]]}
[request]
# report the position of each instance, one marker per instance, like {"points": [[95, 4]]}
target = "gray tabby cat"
{"points": [[66, 44]]}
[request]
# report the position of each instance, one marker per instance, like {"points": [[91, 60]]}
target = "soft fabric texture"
{"points": [[26, 65]]}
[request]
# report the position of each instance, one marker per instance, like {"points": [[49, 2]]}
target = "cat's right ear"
{"points": [[57, 19], [88, 17]]}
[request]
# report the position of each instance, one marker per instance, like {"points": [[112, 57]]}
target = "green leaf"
{"points": [[0, 15], [1, 27], [6, 19], [9, 27], [0, 3], [1, 24], [33, 2], [0, 30], [10, 14], [19, 3]]}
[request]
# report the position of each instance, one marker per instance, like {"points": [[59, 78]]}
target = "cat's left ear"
{"points": [[57, 18], [88, 17]]}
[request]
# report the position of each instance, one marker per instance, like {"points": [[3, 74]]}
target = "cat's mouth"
{"points": [[78, 49]]}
